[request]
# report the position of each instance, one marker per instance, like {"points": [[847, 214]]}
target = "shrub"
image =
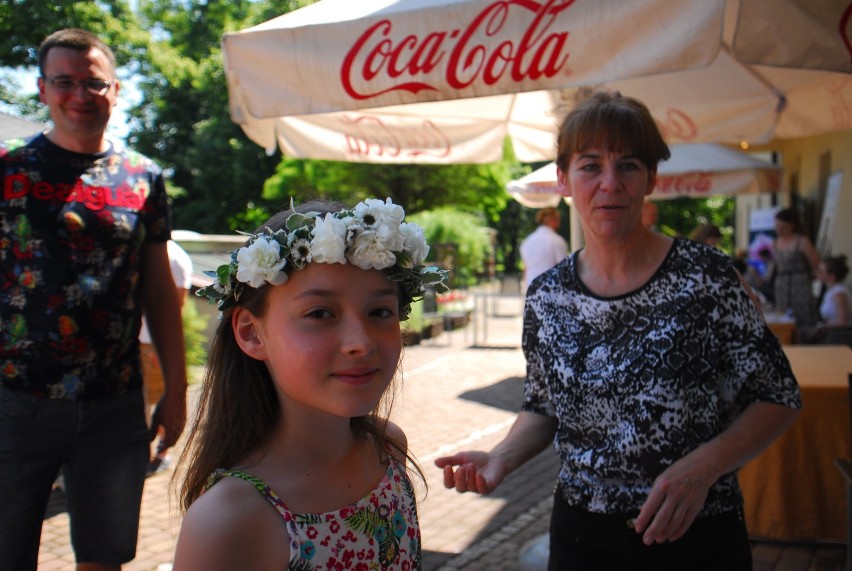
{"points": [[467, 235]]}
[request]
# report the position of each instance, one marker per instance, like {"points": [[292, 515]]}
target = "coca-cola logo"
{"points": [[675, 124], [840, 96], [696, 182], [365, 135], [377, 57]]}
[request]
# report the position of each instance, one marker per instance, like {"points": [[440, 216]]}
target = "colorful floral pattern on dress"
{"points": [[72, 228], [378, 533], [641, 379]]}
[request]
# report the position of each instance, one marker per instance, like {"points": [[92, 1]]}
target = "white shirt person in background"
{"points": [[153, 386], [544, 247], [835, 308]]}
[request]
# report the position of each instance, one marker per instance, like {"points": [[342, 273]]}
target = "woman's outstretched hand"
{"points": [[472, 471]]}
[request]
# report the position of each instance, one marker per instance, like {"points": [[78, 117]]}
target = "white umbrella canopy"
{"points": [[12, 127], [697, 170], [445, 81]]}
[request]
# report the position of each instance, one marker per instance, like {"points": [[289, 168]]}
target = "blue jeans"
{"points": [[102, 447], [584, 541]]}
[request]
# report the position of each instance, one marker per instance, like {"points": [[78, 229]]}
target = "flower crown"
{"points": [[372, 235]]}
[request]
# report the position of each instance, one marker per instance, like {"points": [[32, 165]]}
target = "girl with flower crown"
{"points": [[292, 462]]}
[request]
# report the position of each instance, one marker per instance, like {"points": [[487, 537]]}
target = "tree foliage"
{"points": [[25, 23], [680, 216]]}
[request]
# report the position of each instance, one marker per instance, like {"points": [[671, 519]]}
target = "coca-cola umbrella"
{"points": [[696, 170], [445, 81], [12, 126]]}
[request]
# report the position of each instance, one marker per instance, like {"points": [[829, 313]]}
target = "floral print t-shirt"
{"points": [[72, 229], [380, 532], [640, 380]]}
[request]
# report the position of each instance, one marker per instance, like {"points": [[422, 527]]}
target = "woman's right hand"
{"points": [[472, 471]]}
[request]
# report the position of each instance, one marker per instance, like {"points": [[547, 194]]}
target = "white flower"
{"points": [[328, 245], [260, 262], [375, 212], [369, 252], [414, 243], [300, 252], [371, 236]]}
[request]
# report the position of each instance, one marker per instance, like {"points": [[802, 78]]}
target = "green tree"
{"points": [[183, 121], [459, 242], [474, 188], [678, 217], [25, 23]]}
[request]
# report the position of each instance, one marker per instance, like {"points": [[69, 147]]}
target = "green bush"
{"points": [[465, 233], [195, 339]]}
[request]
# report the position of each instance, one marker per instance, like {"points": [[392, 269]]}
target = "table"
{"points": [[782, 326], [793, 490]]}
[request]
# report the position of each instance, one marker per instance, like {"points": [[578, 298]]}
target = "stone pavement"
{"points": [[458, 391]]}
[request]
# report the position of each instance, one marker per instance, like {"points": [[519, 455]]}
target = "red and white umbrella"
{"points": [[445, 81], [696, 170]]}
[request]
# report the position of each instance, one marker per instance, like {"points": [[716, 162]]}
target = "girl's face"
{"points": [[608, 189], [330, 338]]}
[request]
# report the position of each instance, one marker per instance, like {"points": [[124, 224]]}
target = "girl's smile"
{"points": [[329, 337]]}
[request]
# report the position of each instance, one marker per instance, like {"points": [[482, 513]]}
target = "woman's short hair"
{"points": [[545, 214], [609, 119]]}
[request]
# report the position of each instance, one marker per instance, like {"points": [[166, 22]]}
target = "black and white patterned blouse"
{"points": [[639, 380]]}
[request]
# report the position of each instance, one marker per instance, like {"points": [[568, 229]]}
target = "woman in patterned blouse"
{"points": [[648, 367]]}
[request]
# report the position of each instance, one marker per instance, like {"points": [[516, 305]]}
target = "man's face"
{"points": [[80, 115]]}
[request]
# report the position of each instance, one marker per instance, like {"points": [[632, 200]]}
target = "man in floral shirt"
{"points": [[83, 231]]}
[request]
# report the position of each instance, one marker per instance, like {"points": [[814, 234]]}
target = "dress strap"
{"points": [[258, 484]]}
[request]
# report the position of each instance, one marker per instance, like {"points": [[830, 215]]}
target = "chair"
{"points": [[845, 467]]}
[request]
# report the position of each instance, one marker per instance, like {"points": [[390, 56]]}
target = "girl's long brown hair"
{"points": [[238, 406]]}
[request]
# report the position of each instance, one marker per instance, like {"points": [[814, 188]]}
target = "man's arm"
{"points": [[163, 313]]}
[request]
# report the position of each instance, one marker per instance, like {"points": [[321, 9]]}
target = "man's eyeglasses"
{"points": [[67, 85]]}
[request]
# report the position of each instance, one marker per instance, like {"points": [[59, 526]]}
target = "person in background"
{"points": [[796, 261], [153, 385], [834, 310], [293, 462], [544, 247], [760, 275], [83, 231], [648, 368], [650, 215], [706, 234]]}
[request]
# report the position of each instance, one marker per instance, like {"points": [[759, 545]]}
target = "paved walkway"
{"points": [[458, 391]]}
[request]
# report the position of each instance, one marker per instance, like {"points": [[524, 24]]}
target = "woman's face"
{"points": [[783, 228], [330, 338], [608, 188], [823, 275]]}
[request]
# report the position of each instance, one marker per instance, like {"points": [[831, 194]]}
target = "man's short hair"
{"points": [[75, 39], [545, 214]]}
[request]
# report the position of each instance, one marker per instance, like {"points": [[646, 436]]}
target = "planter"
{"points": [[432, 329], [410, 338], [456, 320]]}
